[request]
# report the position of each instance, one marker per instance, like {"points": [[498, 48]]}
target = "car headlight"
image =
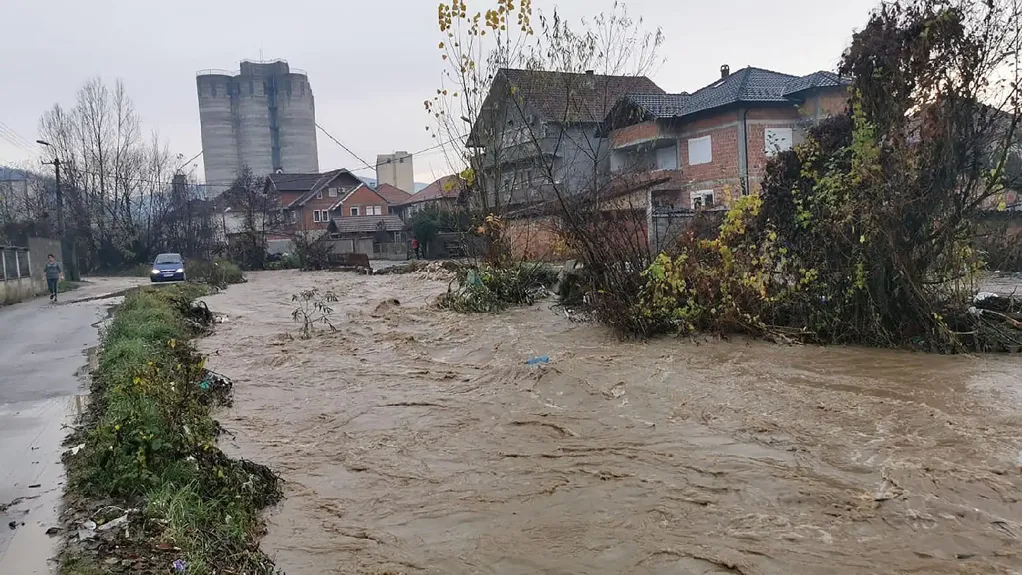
{"points": [[155, 271], [180, 270]]}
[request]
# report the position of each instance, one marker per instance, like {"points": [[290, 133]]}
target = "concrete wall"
{"points": [[396, 169], [263, 117], [18, 278]]}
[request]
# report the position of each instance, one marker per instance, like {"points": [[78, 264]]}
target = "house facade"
{"points": [[306, 203], [713, 145], [396, 198], [539, 131]]}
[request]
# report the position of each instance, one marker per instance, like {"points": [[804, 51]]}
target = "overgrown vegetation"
{"points": [[489, 289], [864, 233], [150, 445], [217, 273]]}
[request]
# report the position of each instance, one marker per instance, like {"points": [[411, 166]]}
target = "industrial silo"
{"points": [[216, 118], [263, 117]]}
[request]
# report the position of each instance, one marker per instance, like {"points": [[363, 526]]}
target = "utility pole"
{"points": [[67, 253]]}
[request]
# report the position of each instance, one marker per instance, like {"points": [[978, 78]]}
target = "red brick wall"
{"points": [[362, 197], [308, 218], [634, 134], [535, 239]]}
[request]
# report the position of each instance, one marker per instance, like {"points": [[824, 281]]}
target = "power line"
{"points": [[13, 139], [25, 143], [345, 148]]}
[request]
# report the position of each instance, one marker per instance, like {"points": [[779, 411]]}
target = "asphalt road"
{"points": [[43, 349]]}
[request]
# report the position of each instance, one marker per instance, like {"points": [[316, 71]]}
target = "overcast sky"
{"points": [[371, 63]]}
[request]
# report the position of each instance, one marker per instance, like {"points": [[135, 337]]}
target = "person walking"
{"points": [[53, 275], [415, 247]]}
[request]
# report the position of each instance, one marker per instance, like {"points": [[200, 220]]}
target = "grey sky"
{"points": [[371, 64]]}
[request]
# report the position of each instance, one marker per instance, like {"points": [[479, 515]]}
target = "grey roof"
{"points": [[752, 85], [563, 96], [294, 182], [814, 80], [366, 224]]}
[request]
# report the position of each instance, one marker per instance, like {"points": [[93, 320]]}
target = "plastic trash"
{"points": [[537, 360], [178, 566], [87, 531]]}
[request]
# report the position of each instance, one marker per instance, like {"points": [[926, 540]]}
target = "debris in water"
{"points": [[54, 531], [13, 524], [538, 360], [74, 450], [35, 486]]}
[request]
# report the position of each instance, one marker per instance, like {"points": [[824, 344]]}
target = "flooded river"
{"points": [[418, 441]]}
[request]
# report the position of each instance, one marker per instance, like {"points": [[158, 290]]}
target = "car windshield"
{"points": [[168, 259]]}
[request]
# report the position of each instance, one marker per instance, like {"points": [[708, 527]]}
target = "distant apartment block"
{"points": [[263, 116], [396, 169]]}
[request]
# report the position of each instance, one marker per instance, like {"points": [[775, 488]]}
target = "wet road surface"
{"points": [[418, 441], [43, 350]]}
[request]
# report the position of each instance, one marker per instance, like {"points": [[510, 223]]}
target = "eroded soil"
{"points": [[417, 441]]}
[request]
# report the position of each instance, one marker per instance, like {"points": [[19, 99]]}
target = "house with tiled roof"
{"points": [[712, 145], [309, 202], [443, 193], [537, 129]]}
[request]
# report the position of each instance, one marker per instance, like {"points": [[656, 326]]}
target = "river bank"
{"points": [[417, 441]]}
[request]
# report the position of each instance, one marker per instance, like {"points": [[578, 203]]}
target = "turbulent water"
{"points": [[418, 441]]}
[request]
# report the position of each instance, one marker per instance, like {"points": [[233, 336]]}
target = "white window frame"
{"points": [[315, 216], [374, 211], [293, 217], [694, 144], [353, 211], [332, 192], [700, 195], [319, 195], [777, 140]]}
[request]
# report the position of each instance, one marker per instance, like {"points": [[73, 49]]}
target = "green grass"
{"points": [[151, 444], [64, 286]]}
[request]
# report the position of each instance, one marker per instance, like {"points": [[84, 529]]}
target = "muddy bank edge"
{"points": [[148, 489]]}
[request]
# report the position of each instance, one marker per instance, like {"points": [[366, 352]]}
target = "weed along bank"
{"points": [[149, 490]]}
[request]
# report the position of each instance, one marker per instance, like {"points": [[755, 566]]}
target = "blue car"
{"points": [[168, 268]]}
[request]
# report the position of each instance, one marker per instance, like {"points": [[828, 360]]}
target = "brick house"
{"points": [[395, 197], [307, 202], [534, 125], [444, 193], [713, 144]]}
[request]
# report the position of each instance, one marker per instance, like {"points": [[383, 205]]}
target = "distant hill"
{"points": [[371, 182]]}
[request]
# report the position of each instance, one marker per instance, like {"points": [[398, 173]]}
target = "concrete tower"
{"points": [[396, 169], [263, 116]]}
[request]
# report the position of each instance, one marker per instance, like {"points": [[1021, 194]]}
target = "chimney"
{"points": [[725, 71]]}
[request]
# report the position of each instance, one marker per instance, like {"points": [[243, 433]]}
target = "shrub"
{"points": [[219, 273], [489, 289]]}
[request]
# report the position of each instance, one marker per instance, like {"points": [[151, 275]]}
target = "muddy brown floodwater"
{"points": [[414, 440]]}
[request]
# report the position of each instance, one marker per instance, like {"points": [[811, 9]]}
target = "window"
{"points": [[315, 215], [702, 199], [293, 217], [332, 192], [354, 210], [319, 195], [700, 151], [374, 210], [667, 158], [776, 140]]}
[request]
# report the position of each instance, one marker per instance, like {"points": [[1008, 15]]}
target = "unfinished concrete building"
{"points": [[262, 116], [396, 169]]}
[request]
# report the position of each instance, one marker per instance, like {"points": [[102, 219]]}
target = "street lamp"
{"points": [[68, 262]]}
